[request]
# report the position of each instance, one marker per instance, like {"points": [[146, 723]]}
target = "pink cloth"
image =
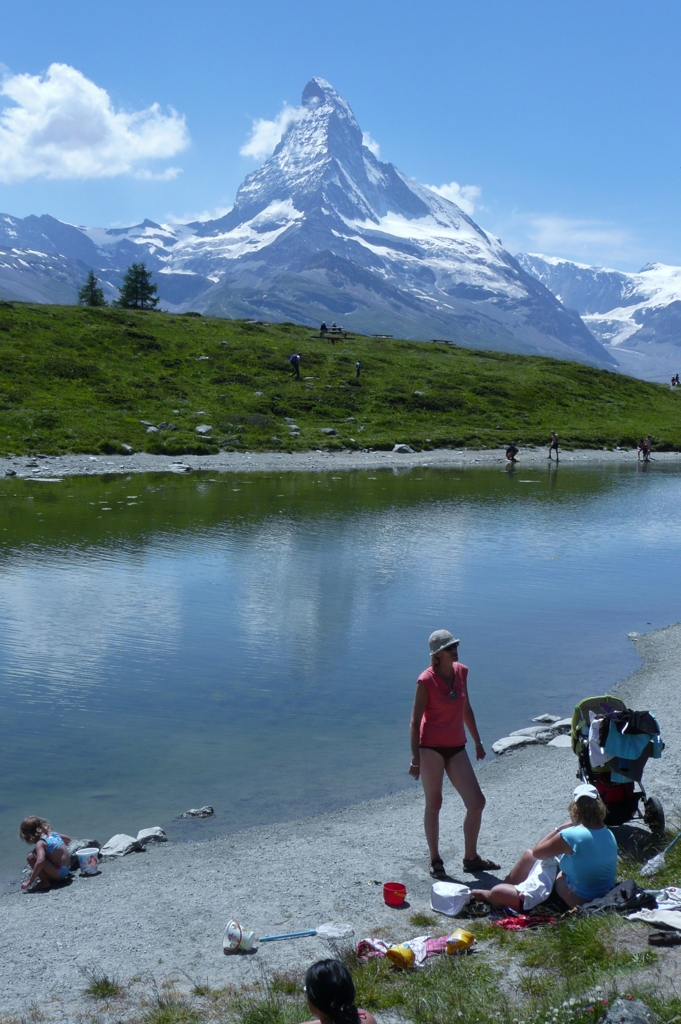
{"points": [[442, 724]]}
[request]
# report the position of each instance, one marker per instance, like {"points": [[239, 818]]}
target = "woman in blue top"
{"points": [[586, 852]]}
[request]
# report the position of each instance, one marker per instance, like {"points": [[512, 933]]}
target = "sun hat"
{"points": [[586, 790], [440, 639]]}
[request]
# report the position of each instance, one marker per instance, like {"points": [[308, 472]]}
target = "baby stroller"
{"points": [[613, 744]]}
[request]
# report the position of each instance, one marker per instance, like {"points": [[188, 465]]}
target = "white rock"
{"points": [[180, 467], [199, 812], [152, 835], [507, 743], [548, 719], [127, 450], [120, 845], [561, 741], [152, 430], [403, 449], [562, 725], [633, 636], [203, 428], [531, 730]]}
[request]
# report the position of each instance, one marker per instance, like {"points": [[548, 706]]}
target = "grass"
{"points": [[99, 985], [81, 380]]}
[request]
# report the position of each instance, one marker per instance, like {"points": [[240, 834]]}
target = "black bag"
{"points": [[625, 898]]}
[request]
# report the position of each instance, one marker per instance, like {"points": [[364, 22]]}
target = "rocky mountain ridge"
{"points": [[323, 230]]}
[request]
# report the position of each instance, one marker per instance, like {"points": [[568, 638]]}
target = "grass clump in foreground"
{"points": [[76, 379], [566, 974]]}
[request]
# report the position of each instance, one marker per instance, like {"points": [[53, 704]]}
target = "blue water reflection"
{"points": [[253, 642]]}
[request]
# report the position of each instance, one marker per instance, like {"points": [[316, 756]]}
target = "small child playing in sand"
{"points": [[50, 861]]}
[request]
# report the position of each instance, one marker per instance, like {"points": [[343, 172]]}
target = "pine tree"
{"points": [[137, 291], [91, 294]]}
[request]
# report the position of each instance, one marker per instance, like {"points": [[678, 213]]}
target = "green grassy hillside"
{"points": [[80, 380]]}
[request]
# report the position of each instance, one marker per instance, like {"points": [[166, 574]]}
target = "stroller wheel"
{"points": [[654, 815]]}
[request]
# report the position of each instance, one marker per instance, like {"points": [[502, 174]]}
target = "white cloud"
{"points": [[371, 145], [62, 125], [266, 135], [562, 234], [189, 218], [463, 195]]}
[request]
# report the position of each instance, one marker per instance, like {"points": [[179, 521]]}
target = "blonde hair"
{"points": [[588, 812], [33, 828], [435, 658]]}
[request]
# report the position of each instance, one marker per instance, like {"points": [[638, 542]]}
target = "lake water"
{"points": [[253, 641]]}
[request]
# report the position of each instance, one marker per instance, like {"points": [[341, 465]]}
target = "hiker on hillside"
{"points": [[511, 452], [323, 329], [553, 445], [586, 869], [441, 714], [295, 363], [358, 367]]}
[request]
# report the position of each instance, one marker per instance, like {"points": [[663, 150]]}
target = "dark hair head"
{"points": [[330, 988]]}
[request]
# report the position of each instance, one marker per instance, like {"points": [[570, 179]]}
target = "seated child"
{"points": [[330, 993], [50, 860]]}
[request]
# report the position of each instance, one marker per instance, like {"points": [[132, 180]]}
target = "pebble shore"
{"points": [[162, 913]]}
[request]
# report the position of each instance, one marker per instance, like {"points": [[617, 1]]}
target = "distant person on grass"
{"points": [[330, 993], [323, 329], [441, 714], [358, 367], [295, 363], [553, 445], [50, 860], [511, 452], [583, 852]]}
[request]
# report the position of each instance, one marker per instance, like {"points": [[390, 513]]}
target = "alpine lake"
{"points": [[252, 641]]}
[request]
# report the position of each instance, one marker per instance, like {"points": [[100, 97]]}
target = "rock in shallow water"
{"points": [[199, 812], [547, 719], [507, 743]]}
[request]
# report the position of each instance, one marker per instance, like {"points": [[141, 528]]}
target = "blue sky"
{"points": [[565, 115]]}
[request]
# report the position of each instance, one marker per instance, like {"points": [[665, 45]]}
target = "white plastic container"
{"points": [[449, 897], [88, 860], [237, 939]]}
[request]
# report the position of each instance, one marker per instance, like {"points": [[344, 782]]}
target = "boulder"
{"points": [[151, 835], [327, 430], [563, 740], [126, 449], [10, 472], [562, 725], [507, 743], [80, 844], [547, 719], [403, 449], [199, 812], [258, 394], [629, 1011], [533, 730], [120, 845], [180, 467], [152, 430], [203, 428]]}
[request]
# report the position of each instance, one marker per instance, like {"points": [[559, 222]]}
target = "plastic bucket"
{"points": [[88, 860], [237, 939], [394, 893]]}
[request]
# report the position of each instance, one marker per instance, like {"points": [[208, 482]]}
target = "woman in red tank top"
{"points": [[441, 714]]}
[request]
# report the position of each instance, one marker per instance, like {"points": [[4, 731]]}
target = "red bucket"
{"points": [[394, 893]]}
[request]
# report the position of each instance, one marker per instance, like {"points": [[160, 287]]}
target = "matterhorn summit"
{"points": [[323, 230]]}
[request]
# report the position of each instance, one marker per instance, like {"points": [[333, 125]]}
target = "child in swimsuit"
{"points": [[50, 860]]}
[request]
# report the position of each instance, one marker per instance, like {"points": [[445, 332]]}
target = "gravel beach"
{"points": [[162, 913], [50, 467]]}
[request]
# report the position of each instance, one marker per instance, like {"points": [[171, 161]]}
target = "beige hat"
{"points": [[441, 639]]}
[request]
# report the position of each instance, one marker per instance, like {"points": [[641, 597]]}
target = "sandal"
{"points": [[478, 864], [437, 868], [667, 938]]}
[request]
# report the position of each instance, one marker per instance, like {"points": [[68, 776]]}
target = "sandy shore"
{"points": [[162, 913], [51, 467]]}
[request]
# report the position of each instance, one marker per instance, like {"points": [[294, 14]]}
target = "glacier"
{"points": [[323, 230]]}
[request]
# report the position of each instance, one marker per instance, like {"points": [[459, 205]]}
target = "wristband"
{"points": [[416, 764]]}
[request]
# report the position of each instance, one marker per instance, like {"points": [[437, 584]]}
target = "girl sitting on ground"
{"points": [[330, 993], [581, 855], [50, 861]]}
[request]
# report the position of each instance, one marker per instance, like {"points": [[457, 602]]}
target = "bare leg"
{"points": [[432, 772], [462, 777], [506, 894], [47, 874], [565, 893]]}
